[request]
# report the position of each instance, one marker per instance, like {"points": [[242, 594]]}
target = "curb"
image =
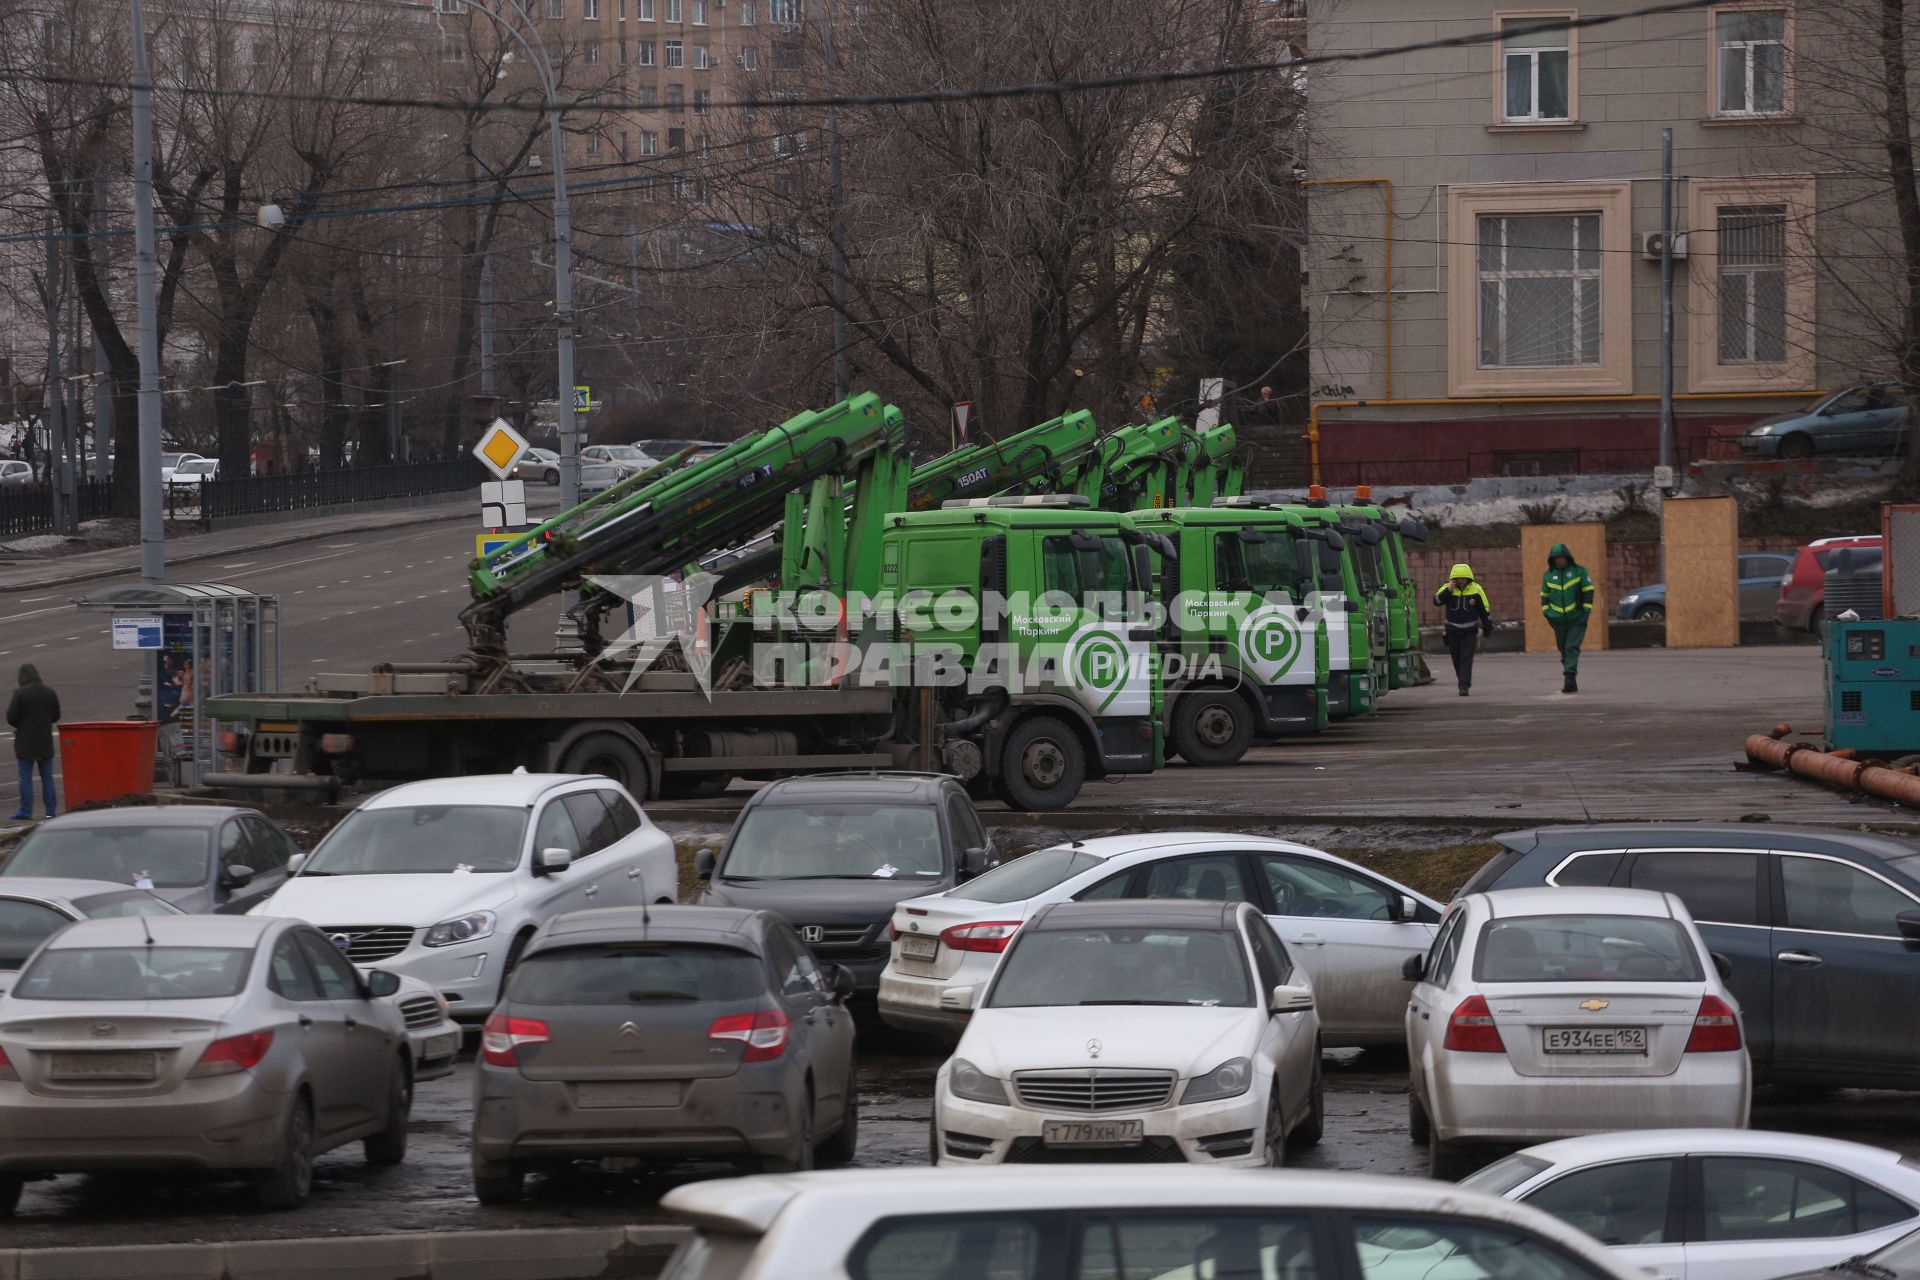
{"points": [[620, 1253]]}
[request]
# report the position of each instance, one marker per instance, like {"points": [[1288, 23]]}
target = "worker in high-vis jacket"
{"points": [[1467, 615], [1566, 598]]}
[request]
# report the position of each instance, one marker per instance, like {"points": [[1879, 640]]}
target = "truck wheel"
{"points": [[610, 756], [1042, 764], [1212, 726]]}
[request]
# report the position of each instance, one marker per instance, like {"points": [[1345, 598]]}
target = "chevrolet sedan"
{"points": [[1546, 1013]]}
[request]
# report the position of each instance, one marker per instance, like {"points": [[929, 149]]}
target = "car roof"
{"points": [[852, 786], [751, 1205], [736, 925], [57, 888], [1731, 835], [497, 789], [1128, 913], [168, 931], [156, 815], [1166, 843], [1842, 539], [1679, 1142], [1548, 901]]}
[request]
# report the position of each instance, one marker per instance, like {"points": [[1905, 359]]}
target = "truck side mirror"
{"points": [[703, 864]]}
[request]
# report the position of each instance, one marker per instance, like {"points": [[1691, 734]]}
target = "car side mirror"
{"points": [[381, 984], [957, 999], [1721, 965], [236, 876], [1414, 967], [1290, 999], [703, 864], [1406, 908], [840, 982], [296, 862], [1909, 922], [552, 861]]}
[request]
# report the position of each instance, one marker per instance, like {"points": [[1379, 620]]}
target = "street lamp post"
{"points": [[146, 271]]}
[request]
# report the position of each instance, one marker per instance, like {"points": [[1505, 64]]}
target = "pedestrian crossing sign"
{"points": [[500, 448], [486, 544]]}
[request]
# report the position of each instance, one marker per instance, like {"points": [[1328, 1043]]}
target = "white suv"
{"points": [[446, 880]]}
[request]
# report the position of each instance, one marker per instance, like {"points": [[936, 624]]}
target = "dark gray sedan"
{"points": [[1868, 417], [628, 1034], [34, 909], [203, 858]]}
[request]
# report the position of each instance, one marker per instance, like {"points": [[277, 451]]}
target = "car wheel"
{"points": [[1817, 623], [389, 1146], [1042, 764], [933, 1141], [498, 1182], [10, 1194], [1797, 445], [287, 1184], [1314, 1124], [1419, 1128], [839, 1149], [802, 1158], [1650, 613], [610, 756], [513, 960], [552, 476], [1274, 1141], [1212, 727]]}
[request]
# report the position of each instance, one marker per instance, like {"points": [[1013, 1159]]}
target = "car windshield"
{"points": [[422, 839], [134, 973], [1585, 949], [171, 459], [169, 857], [836, 842], [637, 973], [626, 453], [600, 473], [1138, 966], [1503, 1176], [1022, 878]]}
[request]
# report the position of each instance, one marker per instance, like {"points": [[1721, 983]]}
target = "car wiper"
{"points": [[850, 875], [1170, 1003], [1859, 1265], [738, 879], [641, 996], [305, 872]]}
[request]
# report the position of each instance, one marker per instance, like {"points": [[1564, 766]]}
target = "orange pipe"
{"points": [[1834, 769], [1386, 292], [1313, 413]]}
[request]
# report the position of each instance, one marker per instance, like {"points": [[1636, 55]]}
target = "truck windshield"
{"points": [[422, 839], [1105, 568], [1056, 967], [1366, 563], [1264, 566], [836, 842]]}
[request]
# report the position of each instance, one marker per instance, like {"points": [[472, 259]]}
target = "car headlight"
{"points": [[970, 1082], [468, 928], [1630, 598], [1760, 430], [1228, 1080]]}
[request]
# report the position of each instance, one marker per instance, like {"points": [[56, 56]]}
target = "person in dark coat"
{"points": [[1468, 617], [33, 711]]}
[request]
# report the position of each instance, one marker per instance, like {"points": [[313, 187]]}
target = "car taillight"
{"points": [[501, 1038], [893, 932], [336, 744], [1471, 1029], [988, 935], [6, 1067], [230, 743], [1715, 1028], [234, 1053], [764, 1032]]}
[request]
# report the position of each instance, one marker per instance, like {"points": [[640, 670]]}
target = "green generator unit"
{"points": [[1873, 686]]}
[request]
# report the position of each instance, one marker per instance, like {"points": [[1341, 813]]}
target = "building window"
{"points": [[788, 13], [704, 147], [1750, 244], [590, 10], [643, 52], [702, 101], [623, 144], [783, 184], [699, 13], [701, 60], [746, 13], [623, 10], [620, 48], [1750, 268], [590, 52], [645, 190], [676, 141], [649, 143], [749, 58], [674, 10], [676, 53], [676, 97], [781, 146], [1751, 48], [593, 144], [682, 187], [452, 47], [786, 55], [1539, 280], [449, 6], [1536, 70], [556, 8], [643, 10]]}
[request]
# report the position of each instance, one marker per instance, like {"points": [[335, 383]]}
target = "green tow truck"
{"points": [[1063, 693], [1405, 667], [1356, 620]]}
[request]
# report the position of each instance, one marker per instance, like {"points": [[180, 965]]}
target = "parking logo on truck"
{"points": [[1269, 643], [1099, 666]]}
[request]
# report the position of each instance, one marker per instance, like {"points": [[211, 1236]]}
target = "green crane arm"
{"points": [[1130, 464], [1216, 470], [655, 523]]}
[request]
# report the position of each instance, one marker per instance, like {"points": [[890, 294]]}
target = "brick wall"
{"points": [[1629, 565]]}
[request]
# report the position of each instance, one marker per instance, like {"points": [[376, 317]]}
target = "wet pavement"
{"points": [[1365, 1132]]}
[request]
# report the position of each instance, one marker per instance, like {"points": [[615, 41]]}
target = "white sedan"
{"points": [[1348, 928], [1153, 1031], [1077, 1223], [1717, 1204], [1546, 1013]]}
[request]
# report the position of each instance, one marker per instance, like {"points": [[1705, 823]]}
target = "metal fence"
{"points": [[31, 510], [1461, 468], [344, 486]]}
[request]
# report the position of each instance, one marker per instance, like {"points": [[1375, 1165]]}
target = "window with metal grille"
{"points": [[1752, 52], [1750, 249], [1849, 699], [1913, 699], [1539, 290], [1535, 70]]}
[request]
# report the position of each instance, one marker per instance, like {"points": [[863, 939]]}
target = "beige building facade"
{"points": [[1482, 268]]}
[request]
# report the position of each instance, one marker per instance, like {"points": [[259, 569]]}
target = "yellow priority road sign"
{"points": [[500, 447]]}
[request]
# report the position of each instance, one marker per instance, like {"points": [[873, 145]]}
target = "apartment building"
{"points": [[1482, 268]]}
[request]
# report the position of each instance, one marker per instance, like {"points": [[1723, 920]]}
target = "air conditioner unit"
{"points": [[1650, 246]]}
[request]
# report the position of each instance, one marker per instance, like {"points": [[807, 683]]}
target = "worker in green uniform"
{"points": [[1566, 598]]}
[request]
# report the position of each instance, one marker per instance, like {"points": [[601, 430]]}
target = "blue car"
{"points": [[1761, 573], [1868, 417], [1820, 929]]}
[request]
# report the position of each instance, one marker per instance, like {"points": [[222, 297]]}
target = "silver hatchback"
{"points": [[661, 1034], [198, 1042]]}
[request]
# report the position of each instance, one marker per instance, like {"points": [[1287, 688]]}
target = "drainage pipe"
{"points": [[1871, 777]]}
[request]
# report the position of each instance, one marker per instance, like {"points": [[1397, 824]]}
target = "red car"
{"points": [[1803, 590]]}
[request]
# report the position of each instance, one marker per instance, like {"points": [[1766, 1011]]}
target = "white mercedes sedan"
{"points": [[1153, 1032], [1547, 1013]]}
